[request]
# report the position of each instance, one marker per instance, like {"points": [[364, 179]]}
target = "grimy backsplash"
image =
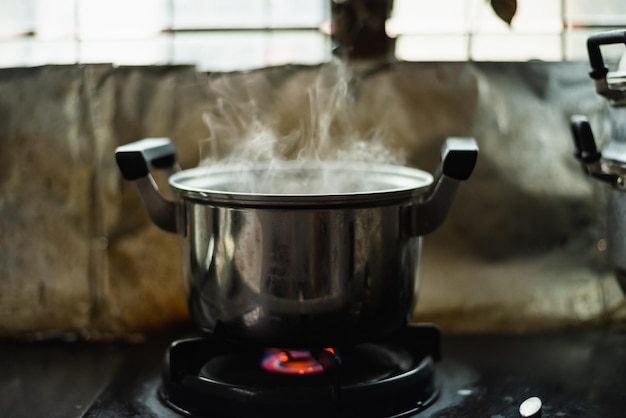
{"points": [[522, 250]]}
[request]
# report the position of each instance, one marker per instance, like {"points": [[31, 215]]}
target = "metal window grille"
{"points": [[222, 35]]}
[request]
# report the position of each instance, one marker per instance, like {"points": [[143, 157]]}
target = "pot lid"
{"points": [[293, 183]]}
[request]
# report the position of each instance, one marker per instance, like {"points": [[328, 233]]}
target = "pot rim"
{"points": [[391, 184]]}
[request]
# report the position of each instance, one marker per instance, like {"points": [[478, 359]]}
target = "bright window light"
{"points": [[226, 35]]}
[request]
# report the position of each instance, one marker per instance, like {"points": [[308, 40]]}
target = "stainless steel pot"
{"points": [[296, 254], [608, 166]]}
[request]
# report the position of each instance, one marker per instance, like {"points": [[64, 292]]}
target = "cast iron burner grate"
{"points": [[207, 377]]}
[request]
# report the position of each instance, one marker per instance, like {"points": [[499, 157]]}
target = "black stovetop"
{"points": [[576, 374]]}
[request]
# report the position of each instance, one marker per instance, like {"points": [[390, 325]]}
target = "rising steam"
{"points": [[309, 116]]}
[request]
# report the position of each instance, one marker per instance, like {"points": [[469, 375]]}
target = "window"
{"points": [[551, 30], [223, 35], [212, 34]]}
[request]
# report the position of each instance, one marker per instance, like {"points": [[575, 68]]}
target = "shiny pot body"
{"points": [[286, 254], [608, 166], [299, 277]]}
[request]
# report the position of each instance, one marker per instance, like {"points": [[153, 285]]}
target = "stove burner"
{"points": [[205, 376], [296, 362]]}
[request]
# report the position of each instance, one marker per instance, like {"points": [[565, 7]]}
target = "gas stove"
{"points": [[207, 377], [574, 374]]}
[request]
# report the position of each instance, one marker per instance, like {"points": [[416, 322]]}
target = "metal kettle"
{"points": [[608, 165]]}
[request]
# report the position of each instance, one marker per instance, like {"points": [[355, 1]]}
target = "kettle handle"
{"points": [[586, 150], [458, 159], [598, 70], [135, 161]]}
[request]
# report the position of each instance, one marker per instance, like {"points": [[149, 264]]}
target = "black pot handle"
{"points": [[135, 161], [458, 158]]}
